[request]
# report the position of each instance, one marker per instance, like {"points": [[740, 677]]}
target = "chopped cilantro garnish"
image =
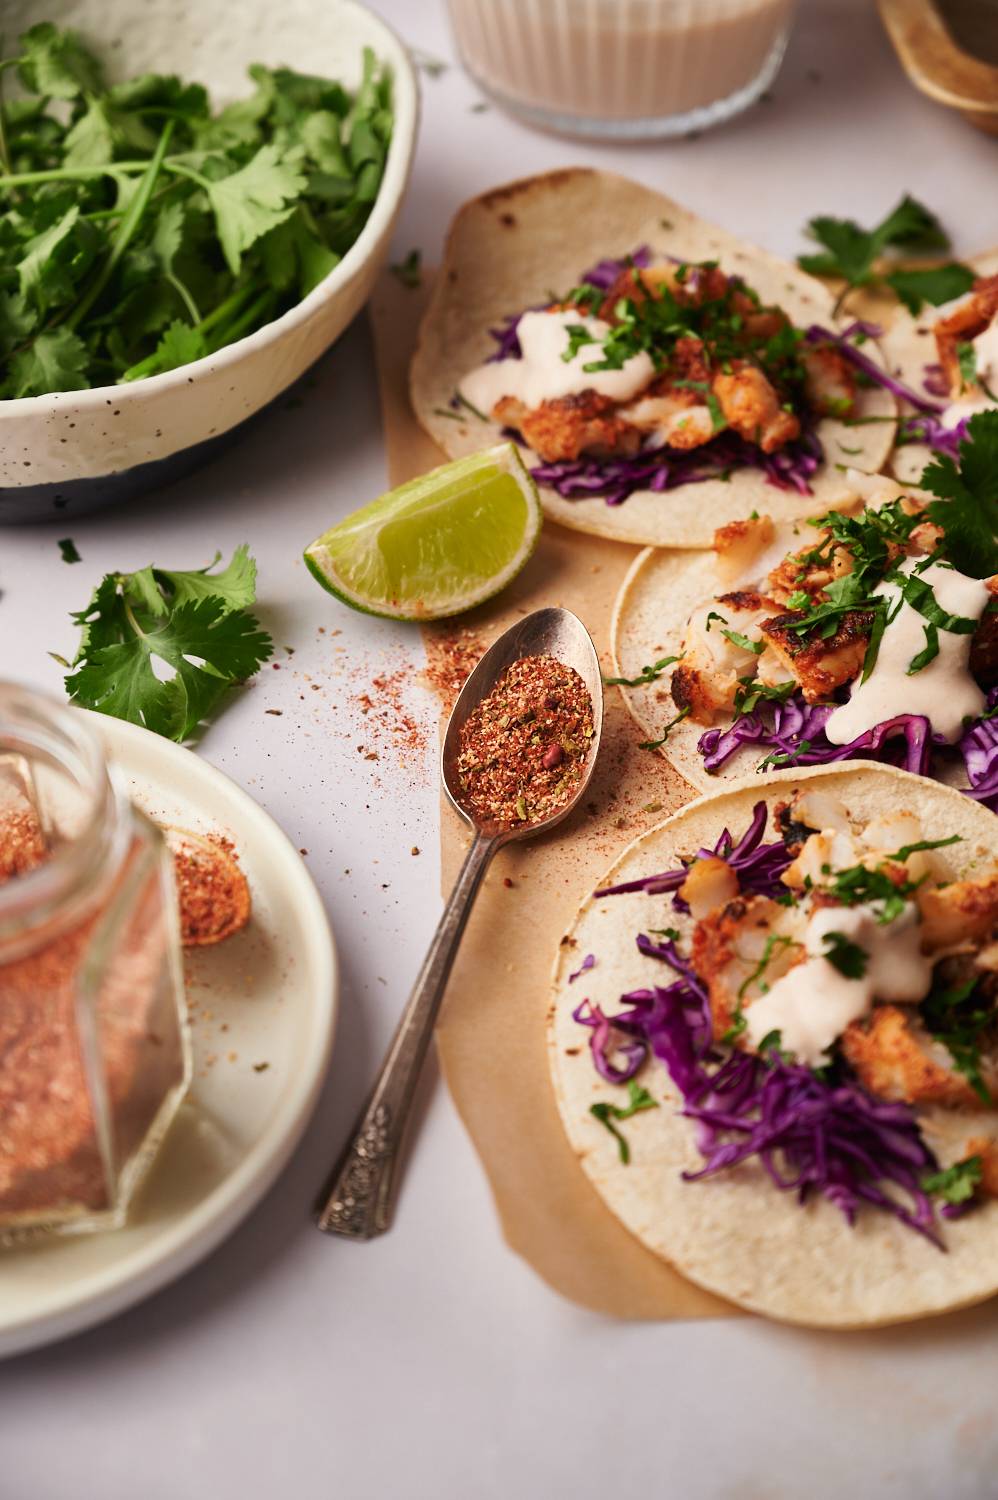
{"points": [[654, 744], [647, 674], [960, 1018], [67, 547], [967, 356], [750, 692], [843, 954], [638, 1099], [967, 503], [955, 1184], [900, 855], [737, 639], [409, 271]]}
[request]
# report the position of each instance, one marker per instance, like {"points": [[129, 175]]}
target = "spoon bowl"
{"points": [[546, 632]]}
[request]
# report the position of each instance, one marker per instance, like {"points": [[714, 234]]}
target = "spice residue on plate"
{"points": [[522, 752]]}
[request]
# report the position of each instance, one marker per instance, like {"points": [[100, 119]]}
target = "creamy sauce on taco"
{"points": [[543, 374], [943, 690], [813, 1003]]}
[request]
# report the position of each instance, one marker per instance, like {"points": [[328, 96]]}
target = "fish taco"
{"points": [[773, 1040], [868, 633], [662, 376]]}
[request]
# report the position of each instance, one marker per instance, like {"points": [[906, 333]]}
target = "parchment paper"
{"points": [[491, 1035]]}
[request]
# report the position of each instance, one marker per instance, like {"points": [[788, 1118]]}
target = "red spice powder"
{"points": [[450, 660], [522, 753], [212, 892]]}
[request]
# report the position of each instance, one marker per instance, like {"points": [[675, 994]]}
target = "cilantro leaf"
{"points": [[56, 63], [54, 361], [850, 251], [235, 585], [935, 284], [955, 1184], [646, 675], [961, 1019], [848, 957], [206, 639], [967, 503], [39, 251], [638, 1099], [408, 271], [912, 226], [179, 344], [253, 200]]}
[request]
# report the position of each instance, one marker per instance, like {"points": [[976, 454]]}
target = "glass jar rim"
{"points": [[73, 876]]}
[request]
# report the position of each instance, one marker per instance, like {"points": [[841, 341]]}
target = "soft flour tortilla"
{"points": [[737, 1235], [660, 592], [908, 347], [510, 248]]}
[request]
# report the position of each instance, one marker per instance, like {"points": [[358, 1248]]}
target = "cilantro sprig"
{"points": [[197, 627], [647, 674], [961, 1018], [607, 1114], [142, 231], [849, 252], [966, 504], [955, 1184]]}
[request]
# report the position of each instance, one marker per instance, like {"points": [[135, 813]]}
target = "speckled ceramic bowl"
{"points": [[78, 450]]}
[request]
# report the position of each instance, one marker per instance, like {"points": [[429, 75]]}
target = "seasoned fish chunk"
{"points": [[706, 680], [819, 666], [569, 426], [830, 381], [972, 317], [753, 409], [749, 940], [895, 1057]]}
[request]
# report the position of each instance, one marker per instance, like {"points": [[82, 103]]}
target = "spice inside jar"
{"points": [[522, 752]]}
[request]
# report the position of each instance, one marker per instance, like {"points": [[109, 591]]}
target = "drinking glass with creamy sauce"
{"points": [[94, 1049], [622, 68]]}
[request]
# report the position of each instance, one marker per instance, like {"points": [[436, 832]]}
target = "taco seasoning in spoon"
{"points": [[524, 749]]}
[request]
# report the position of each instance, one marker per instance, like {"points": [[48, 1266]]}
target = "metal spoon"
{"points": [[358, 1200]]}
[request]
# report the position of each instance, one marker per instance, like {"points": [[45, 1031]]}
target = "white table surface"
{"points": [[433, 1362]]}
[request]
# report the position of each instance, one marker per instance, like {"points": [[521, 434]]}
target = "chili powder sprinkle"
{"points": [[522, 752]]}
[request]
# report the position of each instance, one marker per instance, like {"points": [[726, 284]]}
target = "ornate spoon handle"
{"points": [[358, 1200]]}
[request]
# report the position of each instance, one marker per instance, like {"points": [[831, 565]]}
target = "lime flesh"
{"points": [[436, 545]]}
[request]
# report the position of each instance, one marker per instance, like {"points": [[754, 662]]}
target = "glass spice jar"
{"points": [[94, 1046]]}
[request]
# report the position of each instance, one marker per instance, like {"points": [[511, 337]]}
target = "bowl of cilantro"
{"points": [[193, 207]]}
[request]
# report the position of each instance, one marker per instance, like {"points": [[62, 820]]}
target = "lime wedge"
{"points": [[437, 545]]}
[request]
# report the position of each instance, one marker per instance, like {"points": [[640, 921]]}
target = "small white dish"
{"points": [[265, 997], [77, 450]]}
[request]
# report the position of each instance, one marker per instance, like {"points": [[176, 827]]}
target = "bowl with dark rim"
{"points": [[76, 451]]}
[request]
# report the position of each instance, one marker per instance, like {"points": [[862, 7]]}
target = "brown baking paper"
{"points": [[491, 1035]]}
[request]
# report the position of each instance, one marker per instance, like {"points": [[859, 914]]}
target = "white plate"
{"points": [[274, 988]]}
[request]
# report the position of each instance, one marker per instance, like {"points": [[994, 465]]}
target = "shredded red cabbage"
{"points": [[758, 865], [587, 963], [660, 469], [605, 272], [818, 335], [810, 1134], [979, 748], [783, 728], [927, 427], [795, 729]]}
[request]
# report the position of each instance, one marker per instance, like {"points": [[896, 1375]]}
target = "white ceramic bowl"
{"points": [[78, 450]]}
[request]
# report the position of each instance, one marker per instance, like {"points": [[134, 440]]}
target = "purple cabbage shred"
{"points": [[979, 748], [757, 865], [587, 963], [810, 1134]]}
